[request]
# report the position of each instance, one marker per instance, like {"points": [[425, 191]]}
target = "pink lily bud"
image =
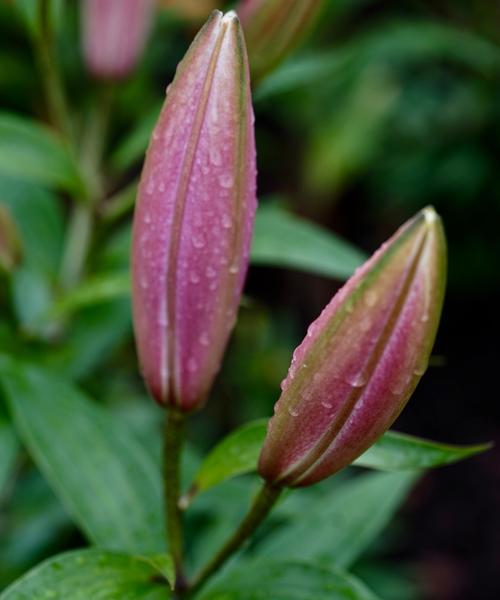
{"points": [[273, 28], [10, 242], [361, 359], [194, 218], [114, 35]]}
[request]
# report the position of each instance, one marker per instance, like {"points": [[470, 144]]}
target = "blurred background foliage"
{"points": [[389, 106]]}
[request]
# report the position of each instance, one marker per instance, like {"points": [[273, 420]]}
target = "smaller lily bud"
{"points": [[114, 34], [10, 243], [273, 28], [194, 218], [361, 359]]}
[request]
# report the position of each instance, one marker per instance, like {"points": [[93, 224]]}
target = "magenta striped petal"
{"points": [[114, 35], [361, 359], [194, 218]]}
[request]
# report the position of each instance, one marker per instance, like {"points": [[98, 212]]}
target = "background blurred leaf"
{"points": [[39, 219], [109, 484], [33, 152], [132, 148], [391, 43], [9, 447], [85, 574], [99, 288], [284, 240], [281, 580], [337, 527]]}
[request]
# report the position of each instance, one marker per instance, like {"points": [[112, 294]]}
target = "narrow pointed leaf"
{"points": [[281, 580], [238, 453], [106, 480], [34, 152], [339, 526], [85, 574], [284, 240], [9, 447]]}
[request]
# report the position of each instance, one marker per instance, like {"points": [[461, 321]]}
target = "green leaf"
{"points": [[132, 148], [94, 335], [99, 288], [9, 447], [85, 574], [393, 43], [338, 526], [106, 480], [399, 452], [32, 151], [163, 564], [39, 219], [280, 580], [285, 240], [236, 454]]}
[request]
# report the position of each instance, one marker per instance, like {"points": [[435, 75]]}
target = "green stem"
{"points": [[78, 240], [174, 437], [45, 54], [261, 507]]}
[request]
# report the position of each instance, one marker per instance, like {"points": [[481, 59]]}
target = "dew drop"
{"points": [[192, 365], [204, 340], [147, 218], [293, 412], [226, 180], [150, 187], [194, 277], [358, 380], [424, 318], [233, 269], [144, 283], [210, 272], [213, 286], [371, 298], [161, 187], [226, 221], [215, 156], [198, 241], [326, 404]]}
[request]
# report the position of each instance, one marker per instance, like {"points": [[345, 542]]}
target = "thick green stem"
{"points": [[261, 507], [174, 437]]}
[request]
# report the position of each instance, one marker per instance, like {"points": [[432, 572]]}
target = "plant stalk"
{"points": [[261, 507], [43, 41], [174, 437]]}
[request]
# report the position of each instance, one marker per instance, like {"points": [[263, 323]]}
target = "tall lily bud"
{"points": [[194, 218], [114, 35], [273, 28], [10, 243], [361, 359]]}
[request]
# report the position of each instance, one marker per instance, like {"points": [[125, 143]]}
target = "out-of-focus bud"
{"points": [[273, 28], [114, 34], [192, 10], [194, 218], [10, 243], [361, 359]]}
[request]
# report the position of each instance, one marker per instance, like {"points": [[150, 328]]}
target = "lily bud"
{"points": [[10, 243], [273, 28], [361, 359], [114, 35], [194, 218]]}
